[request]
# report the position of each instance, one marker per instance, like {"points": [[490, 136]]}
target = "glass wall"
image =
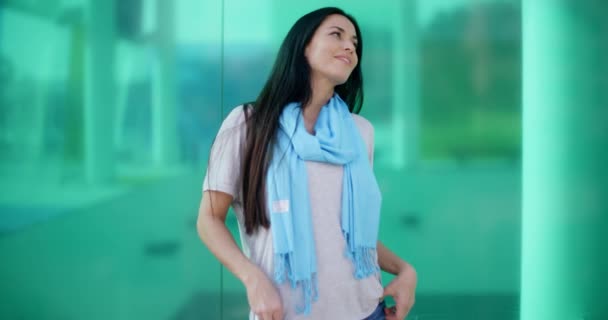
{"points": [[108, 110], [107, 115]]}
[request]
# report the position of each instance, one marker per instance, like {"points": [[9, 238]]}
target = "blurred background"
{"points": [[483, 110]]}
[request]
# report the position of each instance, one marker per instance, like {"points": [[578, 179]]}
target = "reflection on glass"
{"points": [[108, 109]]}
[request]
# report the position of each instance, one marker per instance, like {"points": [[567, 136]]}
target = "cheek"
{"points": [[318, 58]]}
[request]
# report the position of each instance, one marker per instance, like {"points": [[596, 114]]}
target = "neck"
{"points": [[322, 91]]}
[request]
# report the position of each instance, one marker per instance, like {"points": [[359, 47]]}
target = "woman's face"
{"points": [[331, 52]]}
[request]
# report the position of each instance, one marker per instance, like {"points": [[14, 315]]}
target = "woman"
{"points": [[296, 167]]}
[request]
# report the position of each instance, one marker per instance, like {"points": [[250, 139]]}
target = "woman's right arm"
{"points": [[263, 297]]}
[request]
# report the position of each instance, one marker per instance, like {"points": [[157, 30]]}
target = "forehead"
{"points": [[336, 20]]}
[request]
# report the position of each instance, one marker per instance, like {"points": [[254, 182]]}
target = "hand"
{"points": [[263, 297], [403, 291]]}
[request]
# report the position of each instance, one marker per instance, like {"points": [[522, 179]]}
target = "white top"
{"points": [[341, 296]]}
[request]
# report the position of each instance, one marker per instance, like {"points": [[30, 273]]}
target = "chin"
{"points": [[337, 77], [340, 80]]}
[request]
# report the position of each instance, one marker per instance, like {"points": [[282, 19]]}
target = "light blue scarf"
{"points": [[337, 141]]}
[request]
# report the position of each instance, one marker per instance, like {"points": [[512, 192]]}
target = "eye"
{"points": [[336, 33]]}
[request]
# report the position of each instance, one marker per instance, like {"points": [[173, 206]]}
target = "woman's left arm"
{"points": [[403, 287]]}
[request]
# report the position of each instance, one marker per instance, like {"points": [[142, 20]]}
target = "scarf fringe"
{"points": [[310, 289], [364, 259], [282, 268]]}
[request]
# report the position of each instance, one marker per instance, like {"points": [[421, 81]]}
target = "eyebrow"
{"points": [[354, 37]]}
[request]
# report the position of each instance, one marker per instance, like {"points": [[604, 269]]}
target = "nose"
{"points": [[349, 46]]}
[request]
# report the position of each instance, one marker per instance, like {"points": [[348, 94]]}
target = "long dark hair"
{"points": [[289, 81]]}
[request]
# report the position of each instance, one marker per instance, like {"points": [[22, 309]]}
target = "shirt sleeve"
{"points": [[224, 166]]}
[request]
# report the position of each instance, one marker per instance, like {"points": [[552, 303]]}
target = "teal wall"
{"points": [[108, 109]]}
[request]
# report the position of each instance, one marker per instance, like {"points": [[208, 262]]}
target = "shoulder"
{"points": [[365, 126], [235, 118]]}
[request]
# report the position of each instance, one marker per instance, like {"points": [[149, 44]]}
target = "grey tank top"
{"points": [[341, 296]]}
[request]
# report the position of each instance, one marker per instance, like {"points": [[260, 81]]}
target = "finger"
{"points": [[277, 315], [390, 313], [389, 310], [412, 301], [407, 311], [401, 310], [392, 317], [409, 305], [388, 291]]}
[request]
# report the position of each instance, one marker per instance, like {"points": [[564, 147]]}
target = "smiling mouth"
{"points": [[344, 59]]}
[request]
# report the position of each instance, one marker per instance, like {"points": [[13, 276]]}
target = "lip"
{"points": [[343, 58]]}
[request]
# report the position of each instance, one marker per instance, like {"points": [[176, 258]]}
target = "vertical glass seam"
{"points": [[222, 43]]}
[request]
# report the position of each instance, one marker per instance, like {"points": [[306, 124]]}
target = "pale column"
{"points": [[164, 113], [100, 91], [565, 160], [405, 121]]}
